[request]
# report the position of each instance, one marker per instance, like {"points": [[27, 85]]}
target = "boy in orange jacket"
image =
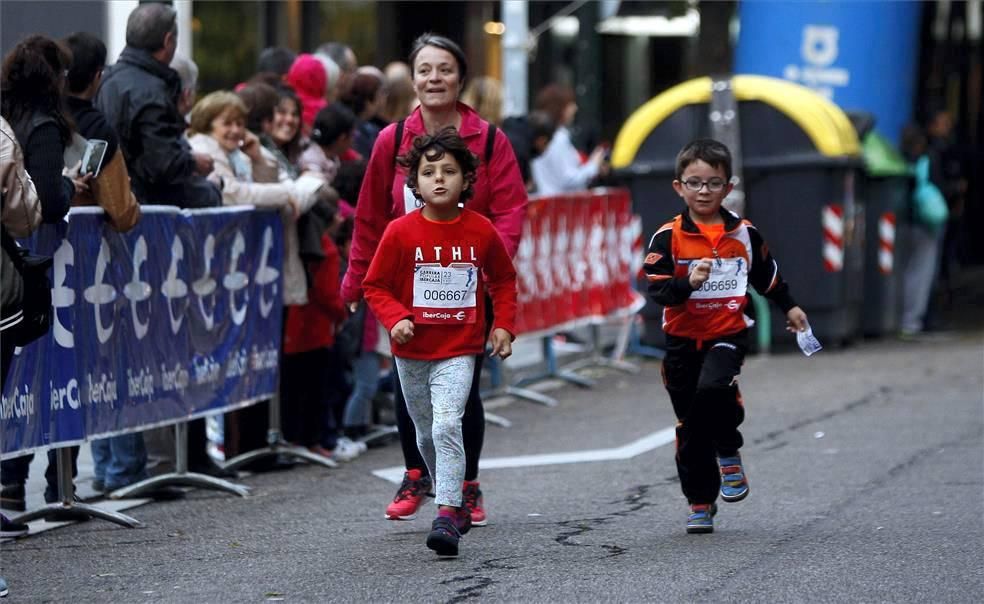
{"points": [[699, 266]]}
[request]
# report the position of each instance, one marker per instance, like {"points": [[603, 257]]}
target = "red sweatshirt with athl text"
{"points": [[434, 274]]}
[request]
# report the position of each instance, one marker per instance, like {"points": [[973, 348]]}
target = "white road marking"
{"points": [[637, 447]]}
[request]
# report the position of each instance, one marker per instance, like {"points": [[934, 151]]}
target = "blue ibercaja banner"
{"points": [[178, 318]]}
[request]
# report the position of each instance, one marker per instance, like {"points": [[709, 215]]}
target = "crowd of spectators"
{"points": [[295, 136]]}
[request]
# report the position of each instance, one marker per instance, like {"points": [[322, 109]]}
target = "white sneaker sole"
{"points": [[410, 517]]}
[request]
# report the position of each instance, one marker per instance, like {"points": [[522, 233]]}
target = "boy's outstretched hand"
{"points": [[796, 320], [501, 343], [402, 332]]}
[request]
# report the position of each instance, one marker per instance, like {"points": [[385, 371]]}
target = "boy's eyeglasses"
{"points": [[714, 185]]}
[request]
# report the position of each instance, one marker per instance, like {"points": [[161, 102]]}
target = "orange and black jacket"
{"points": [[677, 244]]}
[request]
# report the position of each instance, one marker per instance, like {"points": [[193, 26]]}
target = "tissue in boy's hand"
{"points": [[808, 342]]}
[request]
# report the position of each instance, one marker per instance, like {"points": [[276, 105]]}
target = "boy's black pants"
{"points": [[701, 378]]}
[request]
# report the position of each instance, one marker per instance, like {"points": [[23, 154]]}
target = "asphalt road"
{"points": [[867, 485]]}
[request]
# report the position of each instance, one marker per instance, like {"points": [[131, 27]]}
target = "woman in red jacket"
{"points": [[439, 68]]}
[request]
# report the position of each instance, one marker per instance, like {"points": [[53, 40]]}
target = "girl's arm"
{"points": [[380, 285]]}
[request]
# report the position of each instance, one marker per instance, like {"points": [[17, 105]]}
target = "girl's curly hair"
{"points": [[433, 148]]}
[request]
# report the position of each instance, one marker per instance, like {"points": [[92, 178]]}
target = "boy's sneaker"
{"points": [[444, 536], [356, 445], [10, 529], [471, 500], [12, 498], [409, 497], [734, 485], [701, 518]]}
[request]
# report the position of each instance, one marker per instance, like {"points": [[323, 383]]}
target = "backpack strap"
{"points": [[397, 139], [489, 143]]}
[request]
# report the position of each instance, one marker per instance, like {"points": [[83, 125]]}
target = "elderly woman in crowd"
{"points": [[247, 174]]}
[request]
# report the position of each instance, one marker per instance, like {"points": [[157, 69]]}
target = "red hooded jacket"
{"points": [[500, 194], [308, 79], [312, 326]]}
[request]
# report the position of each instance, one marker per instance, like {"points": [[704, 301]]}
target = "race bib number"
{"points": [[445, 294], [723, 290]]}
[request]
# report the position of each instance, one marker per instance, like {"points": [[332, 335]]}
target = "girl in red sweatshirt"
{"points": [[425, 285]]}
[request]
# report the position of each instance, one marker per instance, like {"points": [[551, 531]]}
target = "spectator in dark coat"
{"points": [[139, 96]]}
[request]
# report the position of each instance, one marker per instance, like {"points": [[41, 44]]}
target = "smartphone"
{"points": [[92, 159]]}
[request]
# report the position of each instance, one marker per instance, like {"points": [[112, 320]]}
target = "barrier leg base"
{"points": [[81, 510], [603, 361], [279, 449], [380, 433], [573, 378], [190, 479], [530, 395], [497, 420]]}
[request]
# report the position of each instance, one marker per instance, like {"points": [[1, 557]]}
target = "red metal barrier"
{"points": [[576, 261]]}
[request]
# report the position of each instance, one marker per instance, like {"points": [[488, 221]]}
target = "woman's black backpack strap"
{"points": [[489, 143], [397, 140]]}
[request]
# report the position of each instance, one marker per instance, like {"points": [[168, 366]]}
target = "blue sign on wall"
{"points": [[178, 317], [861, 55]]}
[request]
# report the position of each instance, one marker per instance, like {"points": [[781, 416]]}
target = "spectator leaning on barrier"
{"points": [[250, 175], [560, 169], [33, 103], [244, 174], [111, 188], [439, 71], [281, 135], [139, 96], [21, 215], [270, 182]]}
